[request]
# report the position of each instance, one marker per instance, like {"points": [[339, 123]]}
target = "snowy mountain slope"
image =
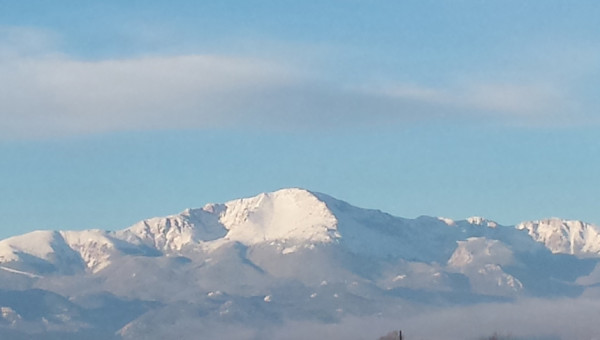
{"points": [[294, 215], [172, 233], [39, 253], [288, 221], [300, 255], [66, 252], [565, 237], [482, 260]]}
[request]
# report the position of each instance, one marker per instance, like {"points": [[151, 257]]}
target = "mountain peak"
{"points": [[291, 214], [565, 236], [290, 252], [478, 220], [286, 214], [293, 191]]}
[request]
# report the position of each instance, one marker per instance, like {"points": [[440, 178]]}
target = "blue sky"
{"points": [[112, 112]]}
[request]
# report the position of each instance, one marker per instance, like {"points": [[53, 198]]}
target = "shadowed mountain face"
{"points": [[288, 256]]}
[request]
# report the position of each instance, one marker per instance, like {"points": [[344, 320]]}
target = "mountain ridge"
{"points": [[287, 255], [292, 215]]}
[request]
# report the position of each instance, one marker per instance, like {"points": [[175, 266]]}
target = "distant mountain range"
{"points": [[249, 267]]}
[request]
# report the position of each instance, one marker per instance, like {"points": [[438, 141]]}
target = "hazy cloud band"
{"points": [[50, 94]]}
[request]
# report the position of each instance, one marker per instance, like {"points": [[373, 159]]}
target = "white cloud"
{"points": [[45, 93], [54, 95], [503, 100]]}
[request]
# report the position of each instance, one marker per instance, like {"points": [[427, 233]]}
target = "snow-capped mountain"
{"points": [[285, 255], [565, 237]]}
